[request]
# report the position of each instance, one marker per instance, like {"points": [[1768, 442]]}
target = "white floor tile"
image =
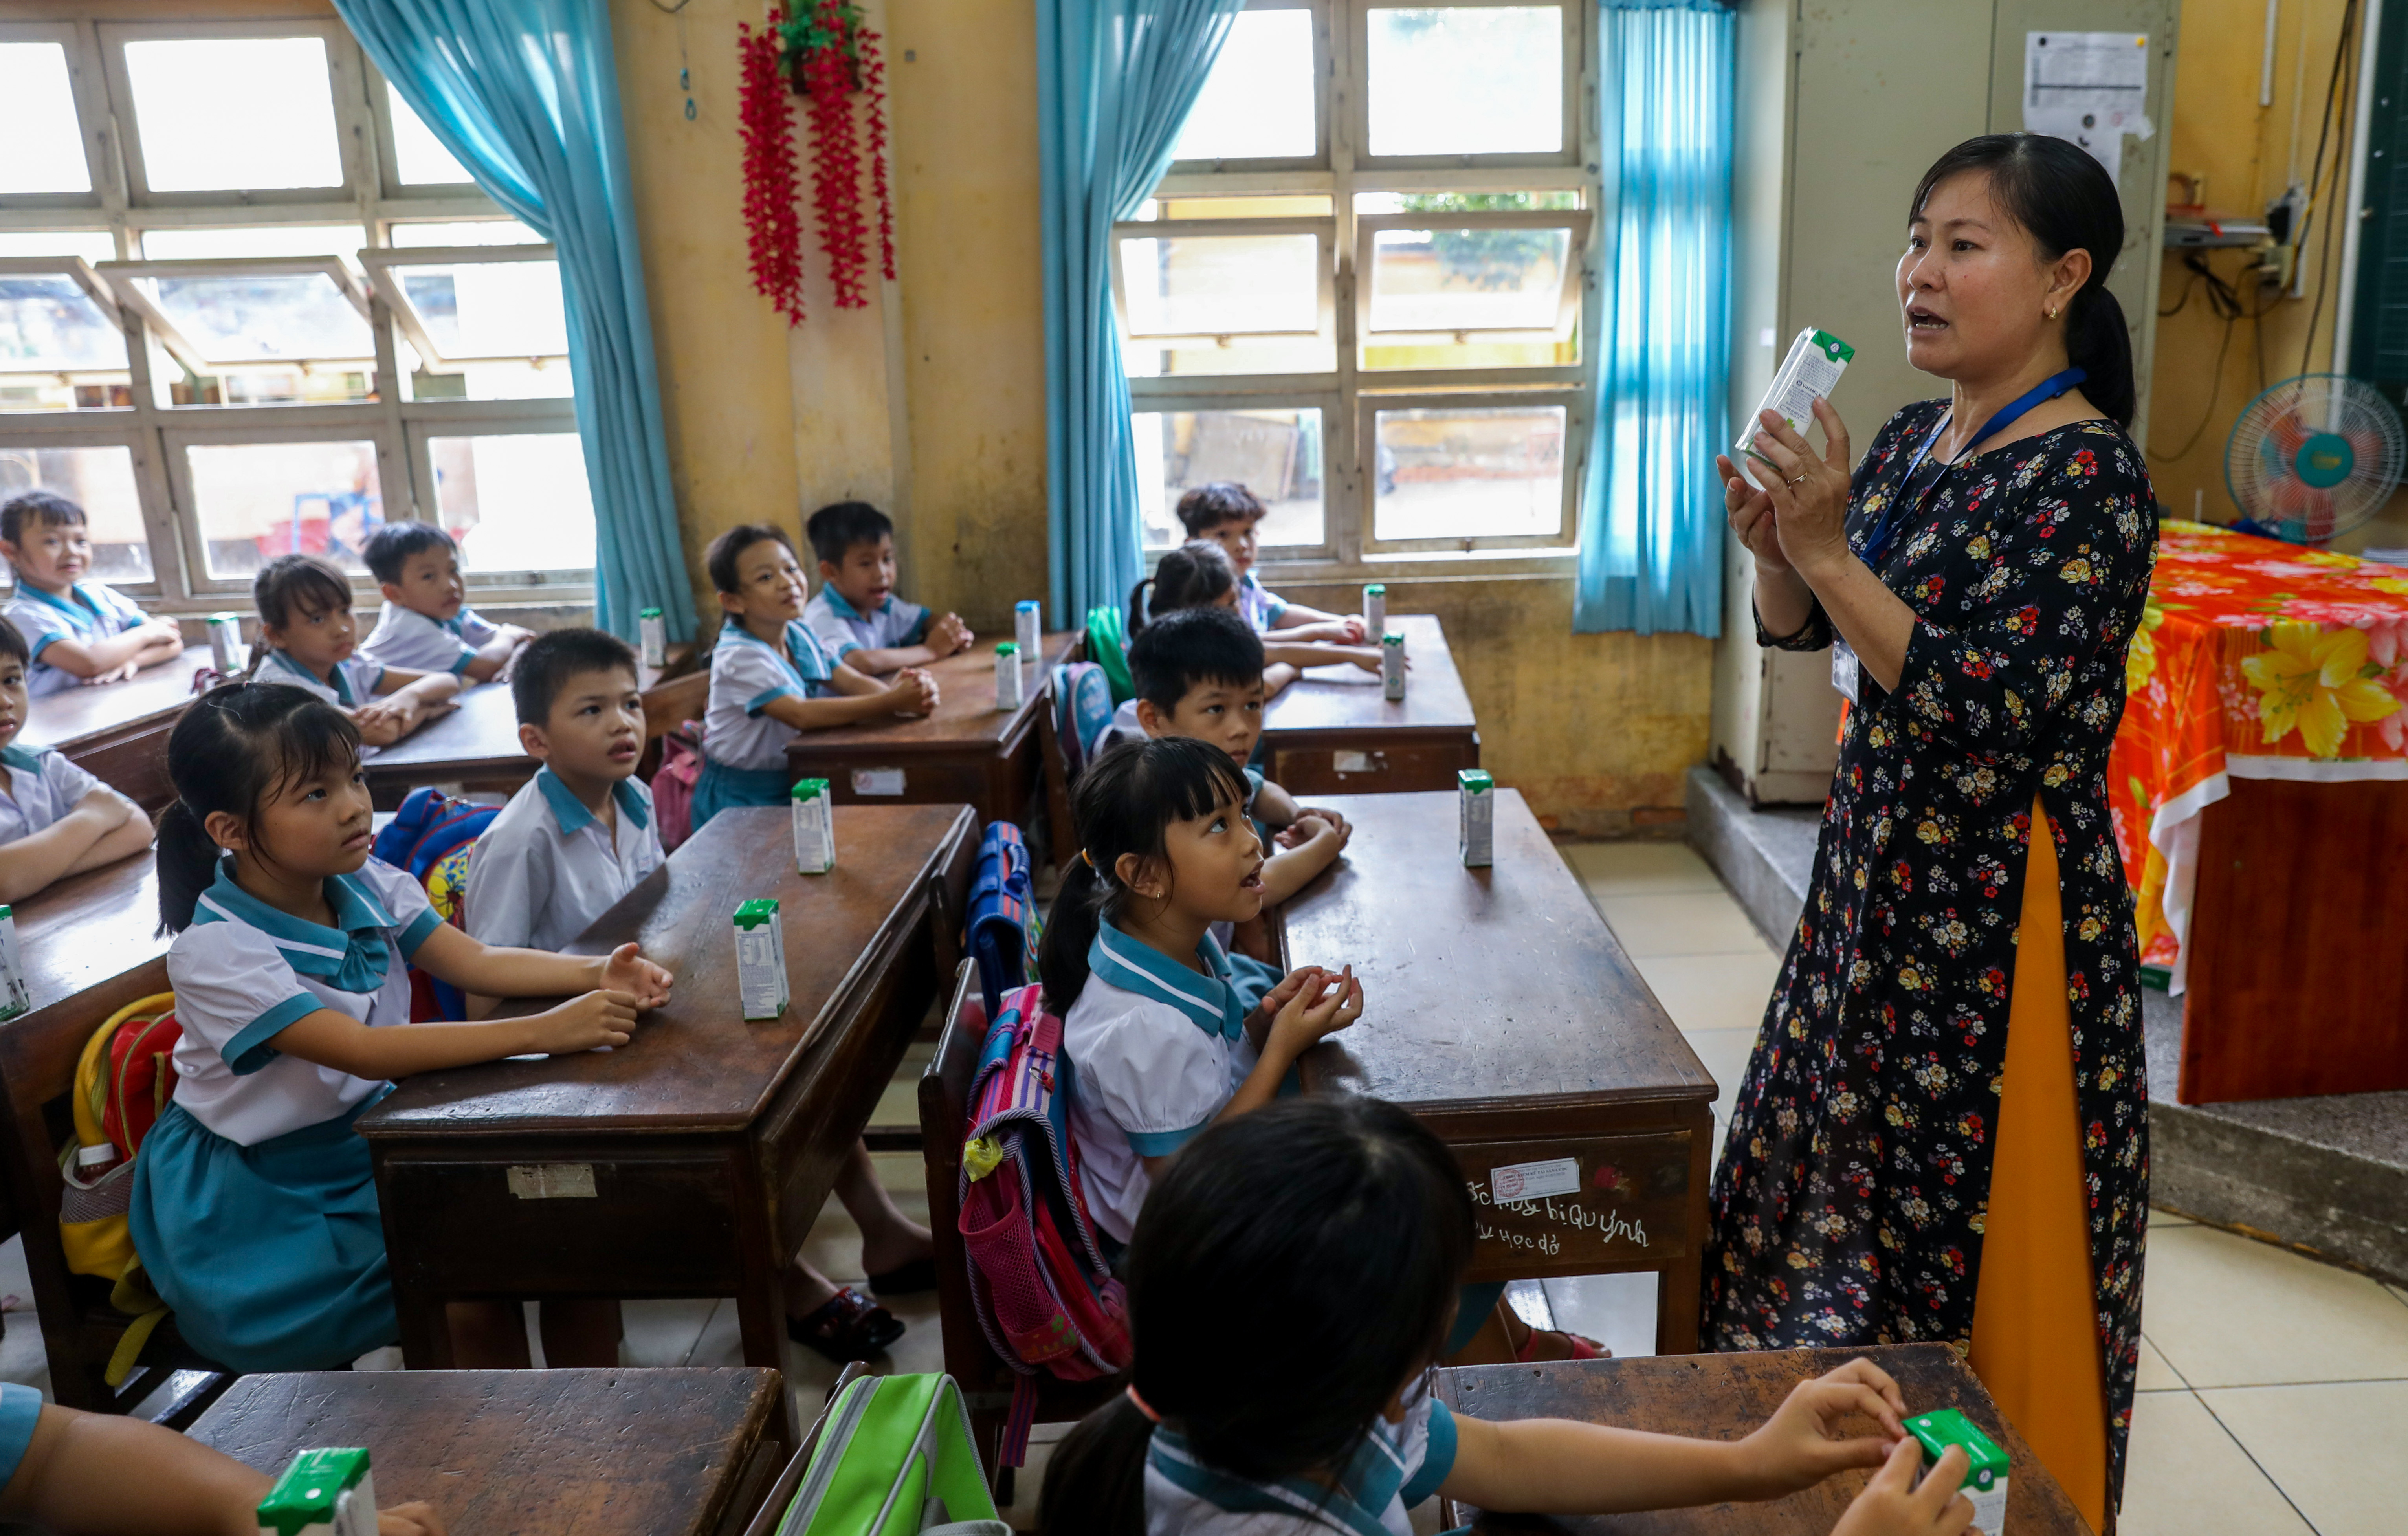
{"points": [[1712, 991], [1618, 1311], [1635, 869], [1680, 922], [2161, 1217], [2156, 1375], [2336, 1448], [1725, 1053], [2187, 1477], [2228, 1311], [899, 1105], [662, 1333]]}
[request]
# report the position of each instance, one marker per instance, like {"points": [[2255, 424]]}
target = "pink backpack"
{"points": [[673, 784], [1039, 1282]]}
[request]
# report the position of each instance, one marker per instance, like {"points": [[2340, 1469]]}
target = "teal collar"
{"points": [[1362, 1495], [342, 685], [350, 956], [570, 811], [843, 609], [83, 606], [801, 652], [15, 757], [1209, 1002]]}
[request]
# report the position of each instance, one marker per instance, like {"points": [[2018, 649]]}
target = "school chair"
{"points": [[38, 1054], [667, 705], [985, 1381]]}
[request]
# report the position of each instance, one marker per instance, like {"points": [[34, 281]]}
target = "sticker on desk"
{"points": [[1517, 1182], [1357, 762], [878, 780], [552, 1181]]}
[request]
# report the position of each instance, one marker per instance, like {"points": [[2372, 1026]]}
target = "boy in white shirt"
{"points": [[55, 819], [77, 631], [578, 835], [425, 625], [855, 613]]}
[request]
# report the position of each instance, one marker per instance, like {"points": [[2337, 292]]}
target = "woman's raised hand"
{"points": [[1808, 494]]}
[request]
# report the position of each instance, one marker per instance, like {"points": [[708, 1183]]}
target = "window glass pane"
{"points": [[1467, 280], [264, 317], [101, 481], [1257, 104], [258, 500], [418, 157], [1275, 451], [1466, 80], [515, 503], [489, 308], [542, 378], [93, 245], [178, 244], [37, 122], [1469, 471], [1269, 206], [1217, 284], [251, 113], [465, 232], [48, 322]]}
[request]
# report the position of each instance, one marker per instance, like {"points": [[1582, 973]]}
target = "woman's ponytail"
{"points": [[1095, 1481], [2099, 343], [188, 864]]}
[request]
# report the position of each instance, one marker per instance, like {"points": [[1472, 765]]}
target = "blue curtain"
{"points": [[1650, 533], [1114, 81], [525, 94]]}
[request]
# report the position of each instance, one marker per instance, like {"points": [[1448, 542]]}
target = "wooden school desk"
{"points": [[693, 1161], [603, 1453], [1333, 731], [474, 745], [118, 732], [968, 751], [1725, 1397], [1502, 1011]]}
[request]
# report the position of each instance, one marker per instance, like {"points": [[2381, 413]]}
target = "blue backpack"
{"points": [[1002, 929], [1083, 699], [430, 839]]}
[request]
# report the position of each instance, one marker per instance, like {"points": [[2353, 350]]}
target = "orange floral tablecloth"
{"points": [[2256, 659]]}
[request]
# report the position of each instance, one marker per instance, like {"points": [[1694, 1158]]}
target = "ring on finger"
{"points": [[1793, 481]]}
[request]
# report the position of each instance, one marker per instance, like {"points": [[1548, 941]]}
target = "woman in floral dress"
{"points": [[1933, 1141]]}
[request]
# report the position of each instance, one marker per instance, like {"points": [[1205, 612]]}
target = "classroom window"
{"points": [[1365, 287], [250, 304]]}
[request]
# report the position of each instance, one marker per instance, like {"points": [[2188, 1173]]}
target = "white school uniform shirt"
{"points": [[1398, 1466], [93, 610], [842, 627], [42, 787], [244, 971], [1259, 607], [547, 866], [1155, 1050], [1124, 728], [746, 673], [409, 640], [355, 677]]}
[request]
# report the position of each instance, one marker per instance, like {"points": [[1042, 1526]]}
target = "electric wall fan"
{"points": [[2314, 456]]}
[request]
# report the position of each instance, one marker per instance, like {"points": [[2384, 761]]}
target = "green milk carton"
{"points": [[814, 827], [325, 1492], [653, 629], [1985, 1471], [15, 998], [1475, 796], [760, 959]]}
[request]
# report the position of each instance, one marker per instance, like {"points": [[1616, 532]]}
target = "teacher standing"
{"points": [[1943, 1132]]}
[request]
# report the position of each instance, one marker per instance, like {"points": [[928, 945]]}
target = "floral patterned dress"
{"points": [[1851, 1198]]}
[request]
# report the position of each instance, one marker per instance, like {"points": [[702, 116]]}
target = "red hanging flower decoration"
{"points": [[828, 81], [829, 55], [773, 228]]}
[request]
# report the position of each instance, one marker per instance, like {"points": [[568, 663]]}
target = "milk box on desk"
{"points": [[1028, 627], [225, 643], [1392, 666], [1007, 676], [1985, 1464], [814, 827], [14, 997], [1375, 609], [1475, 796], [323, 1493], [1811, 371], [653, 632], [760, 959]]}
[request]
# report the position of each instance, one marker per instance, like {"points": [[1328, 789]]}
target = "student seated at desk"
{"points": [[1227, 514], [55, 819], [254, 1205], [1290, 1286], [306, 636], [855, 613], [425, 625], [102, 1475], [771, 679], [80, 631], [1200, 575]]}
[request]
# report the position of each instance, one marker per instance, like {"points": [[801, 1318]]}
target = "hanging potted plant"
{"points": [[828, 55]]}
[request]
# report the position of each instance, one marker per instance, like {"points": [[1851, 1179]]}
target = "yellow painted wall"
{"points": [[932, 401]]}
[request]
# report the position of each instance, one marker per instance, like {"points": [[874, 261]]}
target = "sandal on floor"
{"points": [[847, 1327], [906, 1279], [1584, 1347]]}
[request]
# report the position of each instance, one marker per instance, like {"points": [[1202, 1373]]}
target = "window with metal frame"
{"points": [[248, 304], [1365, 286]]}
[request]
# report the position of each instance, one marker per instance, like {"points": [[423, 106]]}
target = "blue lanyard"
{"points": [[2048, 389]]}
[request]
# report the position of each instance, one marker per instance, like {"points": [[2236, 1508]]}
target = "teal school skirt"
{"points": [[722, 787], [272, 1256]]}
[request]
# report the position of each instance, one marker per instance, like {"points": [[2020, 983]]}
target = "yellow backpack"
{"points": [[122, 1084]]}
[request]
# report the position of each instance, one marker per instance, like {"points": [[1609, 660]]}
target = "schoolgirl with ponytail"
{"points": [[254, 1207], [1200, 574], [1338, 1229], [1158, 1043]]}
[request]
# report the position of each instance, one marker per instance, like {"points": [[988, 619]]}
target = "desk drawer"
{"points": [[1594, 1204], [653, 1225], [1370, 771]]}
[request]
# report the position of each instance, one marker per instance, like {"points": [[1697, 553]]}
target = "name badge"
{"points": [[1843, 668]]}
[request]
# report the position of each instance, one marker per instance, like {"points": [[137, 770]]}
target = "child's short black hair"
{"points": [[391, 546], [1206, 506], [297, 580], [47, 508], [729, 547], [1197, 574], [13, 643], [840, 525], [551, 659], [1189, 648]]}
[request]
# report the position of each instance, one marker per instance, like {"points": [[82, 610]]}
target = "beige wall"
{"points": [[932, 402]]}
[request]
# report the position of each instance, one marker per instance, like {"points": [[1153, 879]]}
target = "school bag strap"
{"points": [[1002, 913], [1084, 703]]}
